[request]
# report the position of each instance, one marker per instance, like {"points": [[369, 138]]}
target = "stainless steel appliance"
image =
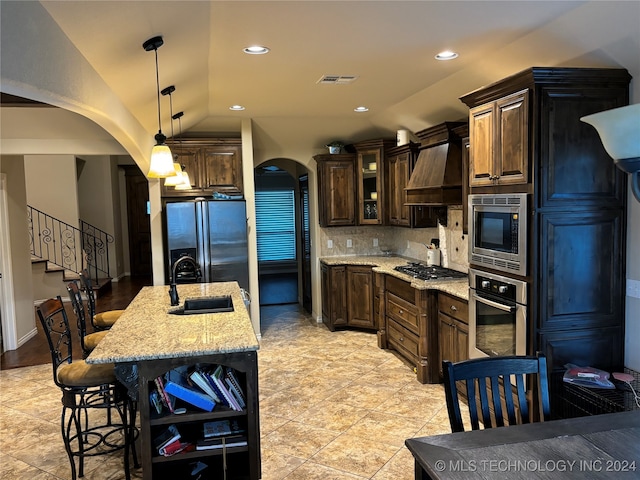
{"points": [[214, 234], [429, 272], [498, 232], [497, 315]]}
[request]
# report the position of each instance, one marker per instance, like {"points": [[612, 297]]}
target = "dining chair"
{"points": [[495, 390], [98, 417], [99, 320], [88, 341]]}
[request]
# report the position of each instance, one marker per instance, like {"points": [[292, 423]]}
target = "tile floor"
{"points": [[332, 406]]}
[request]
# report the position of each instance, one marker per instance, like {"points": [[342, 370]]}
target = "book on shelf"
{"points": [[178, 386], [221, 442], [164, 397], [219, 428], [168, 436], [199, 379], [156, 403], [218, 377], [234, 386], [175, 447]]}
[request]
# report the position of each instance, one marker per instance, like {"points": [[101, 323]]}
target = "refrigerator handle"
{"points": [[202, 229]]}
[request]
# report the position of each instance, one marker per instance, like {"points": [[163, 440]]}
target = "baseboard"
{"points": [[27, 337]]}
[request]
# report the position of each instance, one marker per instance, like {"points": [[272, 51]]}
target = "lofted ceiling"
{"points": [[388, 45]]}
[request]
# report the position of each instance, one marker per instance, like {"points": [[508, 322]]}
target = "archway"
{"points": [[283, 232]]}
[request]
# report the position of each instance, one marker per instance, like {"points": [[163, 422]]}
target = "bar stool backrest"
{"points": [[91, 298], [78, 308], [56, 328]]}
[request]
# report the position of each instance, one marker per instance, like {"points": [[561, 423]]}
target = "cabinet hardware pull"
{"points": [[400, 312], [453, 307], [402, 339]]}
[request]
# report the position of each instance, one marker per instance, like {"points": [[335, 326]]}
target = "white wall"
{"points": [[25, 326]]}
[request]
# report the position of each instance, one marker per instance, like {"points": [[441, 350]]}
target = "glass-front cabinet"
{"points": [[370, 187]]}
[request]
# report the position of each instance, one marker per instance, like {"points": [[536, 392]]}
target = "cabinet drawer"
{"points": [[402, 340], [454, 307], [403, 312]]}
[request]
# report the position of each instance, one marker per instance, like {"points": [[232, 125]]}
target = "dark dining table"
{"points": [[591, 447]]}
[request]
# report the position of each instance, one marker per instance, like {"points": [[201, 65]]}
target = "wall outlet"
{"points": [[329, 243], [633, 288], [375, 242], [349, 243]]}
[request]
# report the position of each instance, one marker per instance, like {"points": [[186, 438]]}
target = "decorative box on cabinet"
{"points": [[336, 189], [213, 164], [239, 462]]}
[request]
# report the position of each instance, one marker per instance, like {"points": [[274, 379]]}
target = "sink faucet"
{"points": [[173, 288]]}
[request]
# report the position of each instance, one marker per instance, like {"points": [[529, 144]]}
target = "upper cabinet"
{"points": [[336, 189], [399, 163], [371, 185], [213, 164], [499, 135]]}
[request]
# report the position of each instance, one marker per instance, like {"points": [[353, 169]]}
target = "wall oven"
{"points": [[497, 315], [498, 232]]}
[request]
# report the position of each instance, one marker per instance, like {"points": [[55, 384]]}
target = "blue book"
{"points": [[177, 386]]}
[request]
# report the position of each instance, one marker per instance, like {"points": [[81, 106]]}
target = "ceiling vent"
{"points": [[337, 79]]}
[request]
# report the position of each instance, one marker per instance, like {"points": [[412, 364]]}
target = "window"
{"points": [[276, 225]]}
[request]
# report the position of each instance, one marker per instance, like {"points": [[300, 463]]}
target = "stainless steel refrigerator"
{"points": [[214, 234]]}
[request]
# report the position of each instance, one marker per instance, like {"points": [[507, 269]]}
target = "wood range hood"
{"points": [[436, 179]]}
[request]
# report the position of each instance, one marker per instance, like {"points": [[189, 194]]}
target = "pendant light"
{"points": [[186, 181], [177, 178], [161, 163]]}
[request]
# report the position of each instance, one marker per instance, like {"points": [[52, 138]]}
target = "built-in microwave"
{"points": [[498, 232]]}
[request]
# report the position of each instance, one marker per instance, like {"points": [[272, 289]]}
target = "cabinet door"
{"points": [[481, 137], [189, 157], [222, 166], [360, 297], [512, 133], [369, 187], [461, 342], [334, 297], [399, 169], [336, 187], [446, 335]]}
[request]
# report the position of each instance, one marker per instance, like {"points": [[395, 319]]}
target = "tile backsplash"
{"points": [[406, 242]]}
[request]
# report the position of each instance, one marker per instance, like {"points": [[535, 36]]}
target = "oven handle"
{"points": [[499, 306]]}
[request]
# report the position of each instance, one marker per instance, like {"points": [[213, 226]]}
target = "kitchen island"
{"points": [[152, 339]]}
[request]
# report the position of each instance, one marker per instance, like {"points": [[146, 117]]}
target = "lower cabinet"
{"points": [[239, 461], [348, 296], [406, 325], [453, 329]]}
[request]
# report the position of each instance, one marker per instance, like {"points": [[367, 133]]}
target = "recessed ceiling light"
{"points": [[256, 50], [236, 107], [446, 55], [361, 109]]}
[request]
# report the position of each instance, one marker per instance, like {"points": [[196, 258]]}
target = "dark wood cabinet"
{"points": [[453, 329], [577, 239], [371, 187], [399, 163], [334, 295], [336, 189], [235, 462], [499, 133], [213, 164], [409, 326], [348, 296]]}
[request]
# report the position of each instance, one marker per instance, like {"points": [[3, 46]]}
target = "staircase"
{"points": [[59, 252]]}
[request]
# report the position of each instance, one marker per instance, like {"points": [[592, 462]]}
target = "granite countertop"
{"points": [[458, 287], [146, 331]]}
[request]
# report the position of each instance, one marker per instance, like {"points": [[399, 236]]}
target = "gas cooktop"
{"points": [[429, 272]]}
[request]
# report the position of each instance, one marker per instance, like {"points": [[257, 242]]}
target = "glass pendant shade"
{"points": [[161, 162], [176, 179], [186, 182]]}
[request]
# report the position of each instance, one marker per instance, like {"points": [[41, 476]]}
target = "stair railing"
{"points": [[67, 246]]}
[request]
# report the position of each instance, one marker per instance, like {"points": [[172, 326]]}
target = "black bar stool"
{"points": [[86, 388], [88, 341], [99, 320]]}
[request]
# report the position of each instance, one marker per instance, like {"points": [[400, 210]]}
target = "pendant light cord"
{"points": [[158, 90]]}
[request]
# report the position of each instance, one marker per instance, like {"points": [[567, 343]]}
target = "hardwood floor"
{"points": [[36, 351]]}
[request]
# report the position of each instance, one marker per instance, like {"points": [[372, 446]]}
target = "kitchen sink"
{"points": [[198, 305]]}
